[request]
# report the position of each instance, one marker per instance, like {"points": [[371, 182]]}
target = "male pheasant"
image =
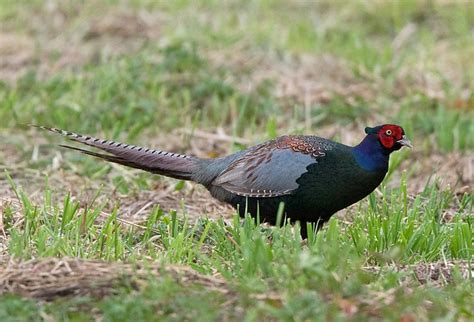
{"points": [[313, 177]]}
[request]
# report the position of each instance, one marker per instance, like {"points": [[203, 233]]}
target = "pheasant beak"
{"points": [[404, 141]]}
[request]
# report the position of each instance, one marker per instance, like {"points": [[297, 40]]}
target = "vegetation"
{"points": [[83, 240]]}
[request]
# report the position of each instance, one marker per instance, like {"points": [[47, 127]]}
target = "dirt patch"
{"points": [[436, 273], [61, 39], [193, 201], [17, 53], [454, 170], [121, 24], [48, 279], [302, 79]]}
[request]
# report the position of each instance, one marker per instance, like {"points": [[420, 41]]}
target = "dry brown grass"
{"points": [[50, 278], [435, 273], [57, 38], [47, 279], [454, 170], [302, 79]]}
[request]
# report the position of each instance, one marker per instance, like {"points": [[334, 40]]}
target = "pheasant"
{"points": [[310, 176]]}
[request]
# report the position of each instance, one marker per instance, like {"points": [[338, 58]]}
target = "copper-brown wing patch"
{"points": [[297, 144]]}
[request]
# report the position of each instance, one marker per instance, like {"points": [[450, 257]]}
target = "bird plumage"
{"points": [[174, 165], [311, 176]]}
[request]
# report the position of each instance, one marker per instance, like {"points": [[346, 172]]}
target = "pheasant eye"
{"points": [[388, 132]]}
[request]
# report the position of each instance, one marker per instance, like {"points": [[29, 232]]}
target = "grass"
{"points": [[211, 78], [309, 279]]}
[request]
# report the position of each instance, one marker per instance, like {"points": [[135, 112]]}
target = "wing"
{"points": [[272, 168]]}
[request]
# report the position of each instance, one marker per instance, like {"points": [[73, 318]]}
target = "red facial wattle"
{"points": [[390, 134]]}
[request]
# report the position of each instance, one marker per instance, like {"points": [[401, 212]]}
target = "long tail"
{"points": [[173, 165]]}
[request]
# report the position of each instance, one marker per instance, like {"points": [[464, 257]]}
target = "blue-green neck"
{"points": [[371, 155]]}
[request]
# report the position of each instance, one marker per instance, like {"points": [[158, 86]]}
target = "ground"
{"points": [[82, 239]]}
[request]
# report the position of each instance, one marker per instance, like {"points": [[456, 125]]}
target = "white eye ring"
{"points": [[388, 132]]}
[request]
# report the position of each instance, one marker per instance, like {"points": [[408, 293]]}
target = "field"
{"points": [[86, 240]]}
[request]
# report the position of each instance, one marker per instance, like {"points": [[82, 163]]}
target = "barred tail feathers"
{"points": [[170, 164]]}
